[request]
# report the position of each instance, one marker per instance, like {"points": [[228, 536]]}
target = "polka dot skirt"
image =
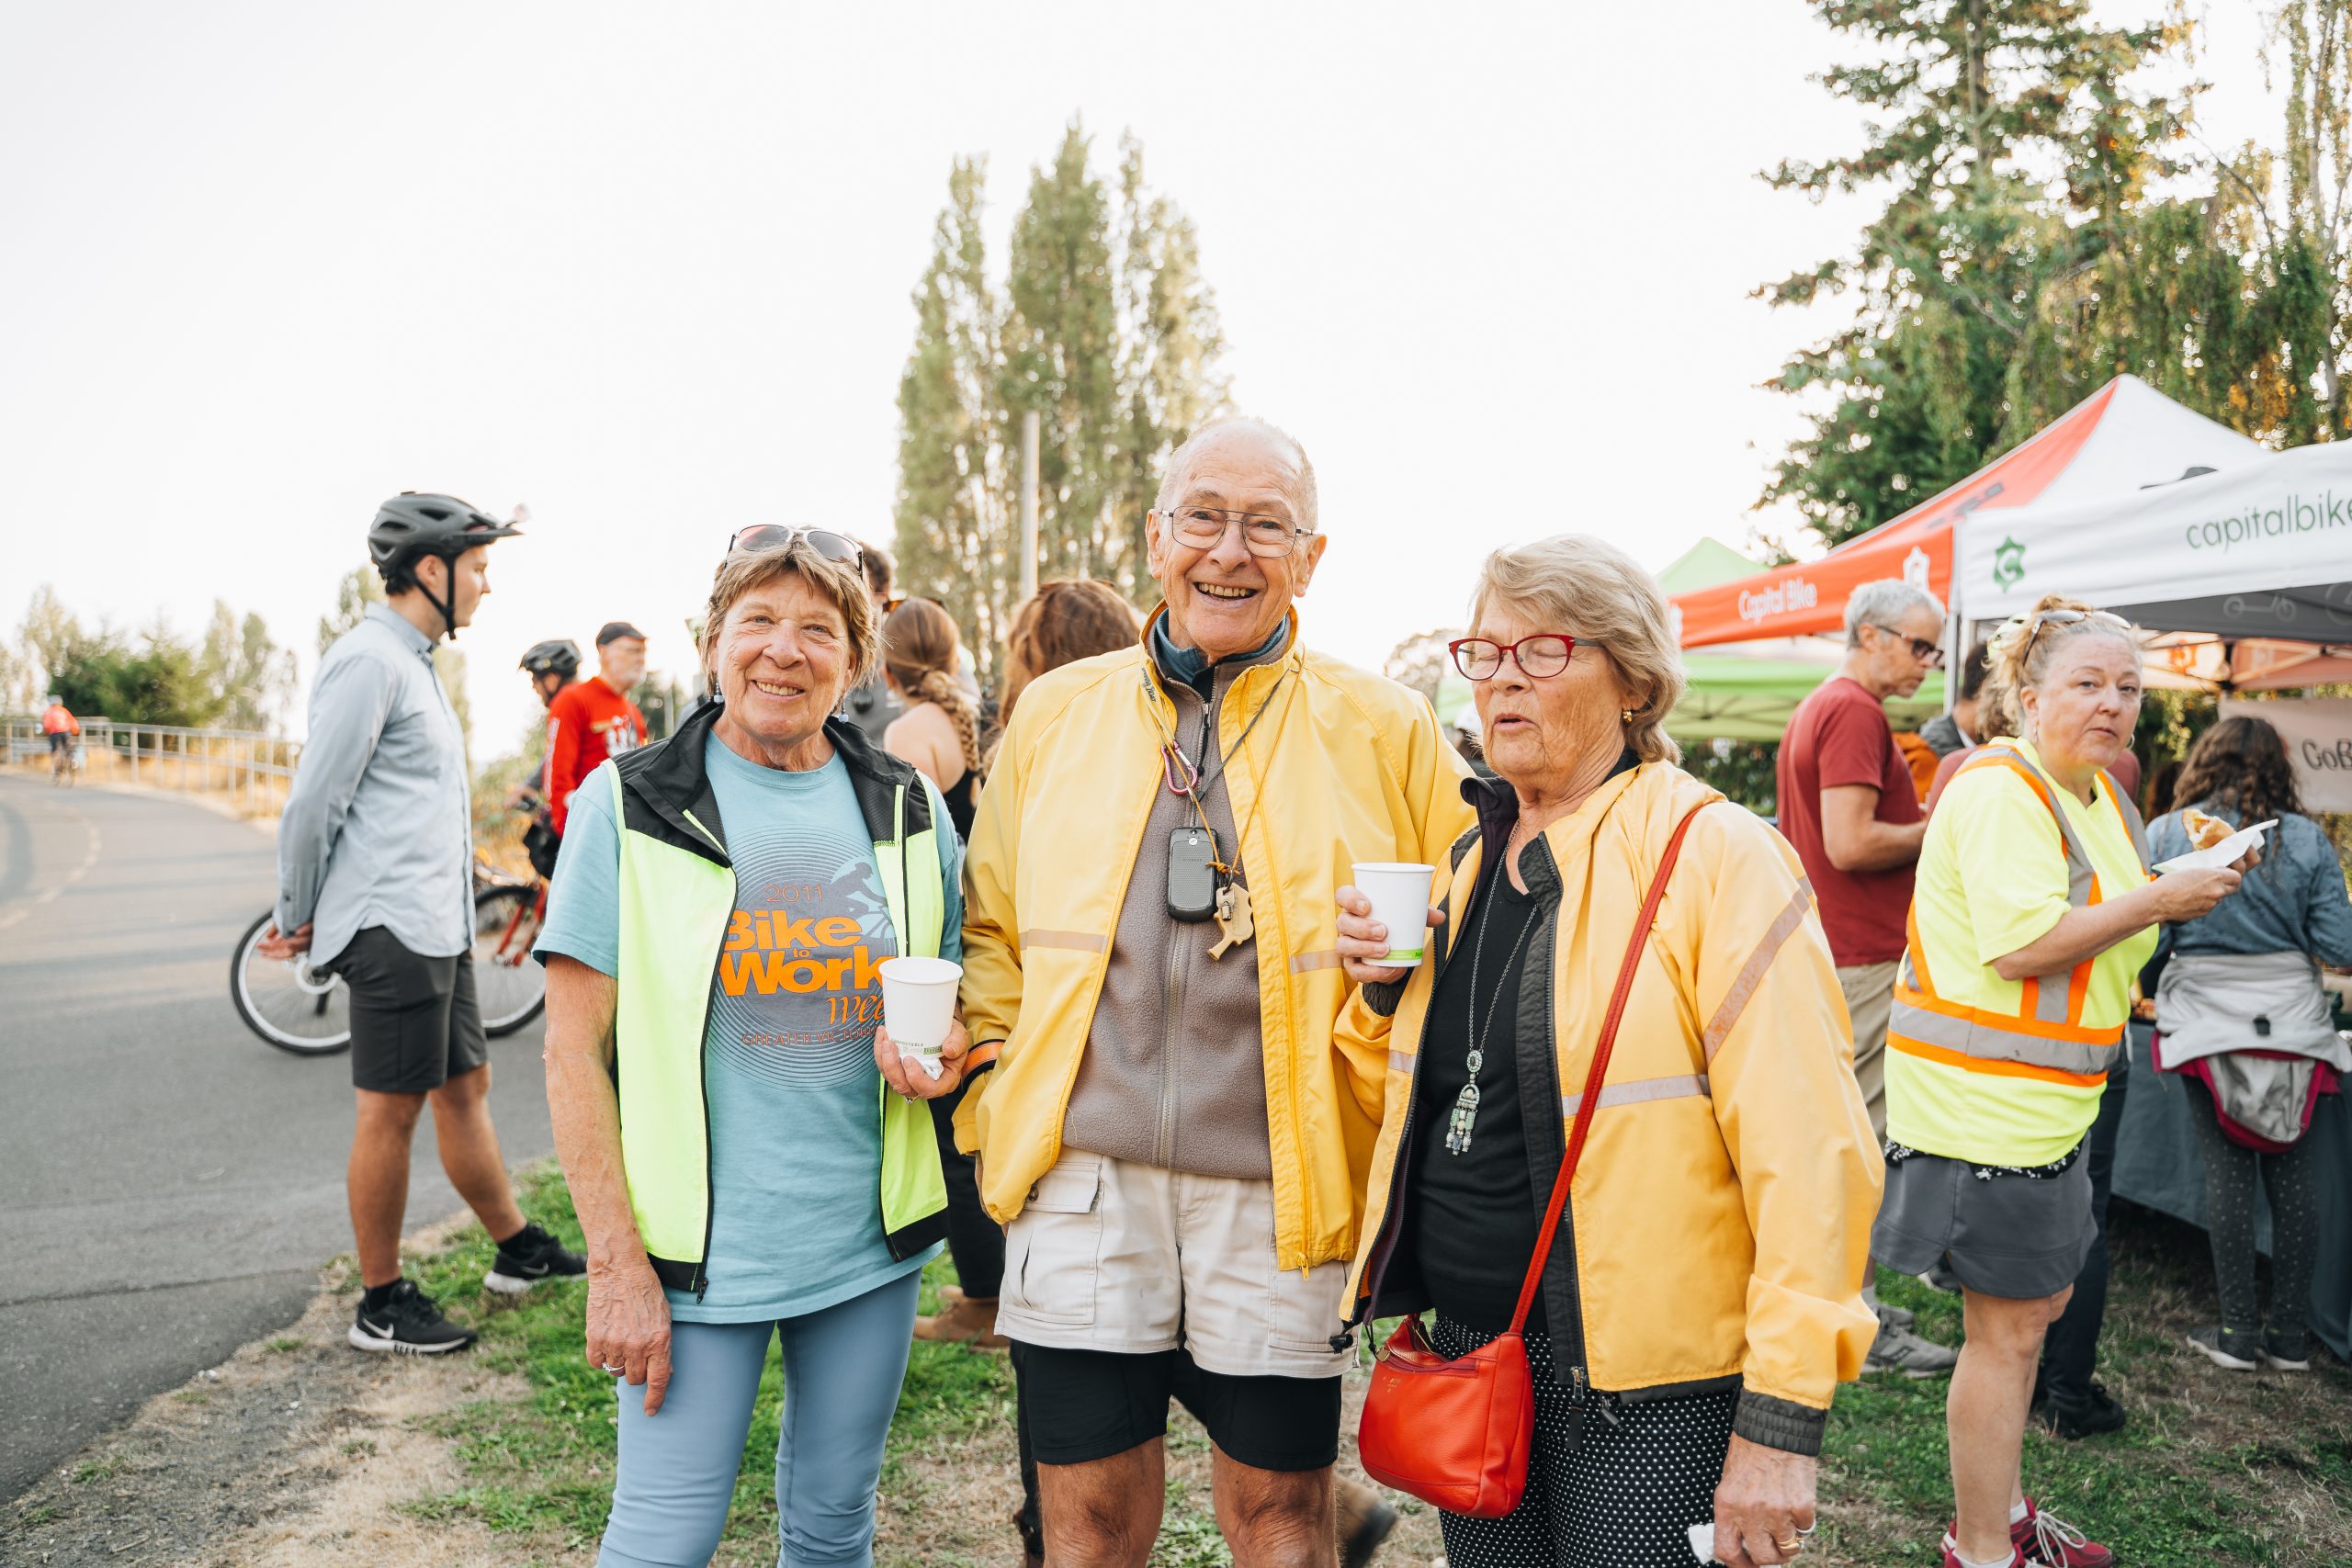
{"points": [[1624, 1496]]}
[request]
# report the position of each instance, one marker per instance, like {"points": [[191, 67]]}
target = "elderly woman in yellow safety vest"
{"points": [[1703, 1296], [2032, 913], [718, 1078]]}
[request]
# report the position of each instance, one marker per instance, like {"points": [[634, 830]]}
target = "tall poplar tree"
{"points": [[951, 509], [1105, 327]]}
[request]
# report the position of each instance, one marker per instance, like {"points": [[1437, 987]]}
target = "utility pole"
{"points": [[1029, 505]]}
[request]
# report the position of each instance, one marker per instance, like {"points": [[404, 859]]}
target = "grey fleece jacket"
{"points": [[1174, 1071]]}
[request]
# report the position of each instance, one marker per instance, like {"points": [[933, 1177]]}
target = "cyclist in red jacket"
{"points": [[594, 719]]}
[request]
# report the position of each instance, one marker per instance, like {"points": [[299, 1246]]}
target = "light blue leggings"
{"points": [[841, 1371]]}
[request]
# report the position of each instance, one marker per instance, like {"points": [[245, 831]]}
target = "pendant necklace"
{"points": [[1465, 1104]]}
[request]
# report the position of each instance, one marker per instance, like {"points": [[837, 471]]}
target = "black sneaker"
{"points": [[2094, 1414], [528, 1257], [408, 1324]]}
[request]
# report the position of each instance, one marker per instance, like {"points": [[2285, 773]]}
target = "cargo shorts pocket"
{"points": [[1303, 1309], [1053, 1250]]}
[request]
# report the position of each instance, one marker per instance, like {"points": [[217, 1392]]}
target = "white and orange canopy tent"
{"points": [[2121, 439]]}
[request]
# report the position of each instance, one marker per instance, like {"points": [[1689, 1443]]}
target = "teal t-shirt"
{"points": [[795, 1136]]}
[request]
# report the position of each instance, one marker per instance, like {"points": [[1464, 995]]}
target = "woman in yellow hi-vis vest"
{"points": [[742, 1172], [2032, 913]]}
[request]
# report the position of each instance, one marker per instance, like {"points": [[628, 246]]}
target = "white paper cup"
{"points": [[1400, 900], [919, 1006]]}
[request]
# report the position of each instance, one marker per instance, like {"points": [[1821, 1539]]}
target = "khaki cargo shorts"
{"points": [[1108, 1255]]}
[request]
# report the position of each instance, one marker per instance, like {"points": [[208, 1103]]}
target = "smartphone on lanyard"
{"points": [[1192, 875]]}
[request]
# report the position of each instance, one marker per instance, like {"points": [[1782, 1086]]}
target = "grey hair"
{"points": [[1589, 588], [1886, 601], [1180, 462]]}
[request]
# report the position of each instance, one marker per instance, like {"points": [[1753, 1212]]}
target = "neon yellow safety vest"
{"points": [[677, 893], [2046, 1040]]}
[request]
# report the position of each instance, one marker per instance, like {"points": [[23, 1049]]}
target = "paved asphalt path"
{"points": [[169, 1184]]}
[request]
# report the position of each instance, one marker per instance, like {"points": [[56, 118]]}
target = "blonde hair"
{"points": [[843, 586], [918, 650], [1574, 581], [2021, 653]]}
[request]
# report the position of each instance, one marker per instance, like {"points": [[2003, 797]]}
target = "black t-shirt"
{"points": [[1474, 1214]]}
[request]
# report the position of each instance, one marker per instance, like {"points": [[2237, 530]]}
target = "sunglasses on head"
{"points": [[775, 537]]}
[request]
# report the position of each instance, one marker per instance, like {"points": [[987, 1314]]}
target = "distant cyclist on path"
{"points": [[62, 729], [375, 856]]}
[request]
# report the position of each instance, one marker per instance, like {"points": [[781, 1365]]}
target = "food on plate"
{"points": [[2204, 831]]}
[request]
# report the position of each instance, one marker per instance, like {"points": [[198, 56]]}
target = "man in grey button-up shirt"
{"points": [[378, 831], [375, 861]]}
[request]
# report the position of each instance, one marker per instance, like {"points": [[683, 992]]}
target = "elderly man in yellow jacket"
{"points": [[1151, 968]]}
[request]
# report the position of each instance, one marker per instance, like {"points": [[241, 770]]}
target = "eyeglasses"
{"points": [[2068, 618], [1925, 652], [775, 537], [1203, 527], [1538, 657]]}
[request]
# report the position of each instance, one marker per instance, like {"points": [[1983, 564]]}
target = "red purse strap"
{"points": [[1599, 1069]]}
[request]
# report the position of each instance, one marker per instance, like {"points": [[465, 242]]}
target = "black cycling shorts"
{"points": [[414, 1022], [1083, 1405]]}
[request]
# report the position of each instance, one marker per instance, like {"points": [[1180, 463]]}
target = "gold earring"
{"points": [[1626, 717]]}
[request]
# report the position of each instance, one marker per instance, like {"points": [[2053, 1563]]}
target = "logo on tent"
{"points": [[2009, 564], [1915, 569]]}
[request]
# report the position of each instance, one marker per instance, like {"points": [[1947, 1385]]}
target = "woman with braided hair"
{"points": [[940, 731]]}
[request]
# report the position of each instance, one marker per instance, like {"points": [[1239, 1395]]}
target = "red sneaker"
{"points": [[2044, 1541]]}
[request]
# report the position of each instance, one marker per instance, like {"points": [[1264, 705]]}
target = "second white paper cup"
{"points": [[1400, 900], [919, 1004]]}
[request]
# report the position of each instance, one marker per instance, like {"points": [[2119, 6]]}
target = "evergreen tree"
{"points": [[1976, 96]]}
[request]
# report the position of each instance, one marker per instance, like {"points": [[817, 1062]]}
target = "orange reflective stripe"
{"points": [[1967, 1062], [2008, 1023], [1918, 949]]}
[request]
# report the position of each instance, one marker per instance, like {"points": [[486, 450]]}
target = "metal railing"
{"points": [[254, 769]]}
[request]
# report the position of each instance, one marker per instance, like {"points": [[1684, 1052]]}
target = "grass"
{"points": [[2215, 1468]]}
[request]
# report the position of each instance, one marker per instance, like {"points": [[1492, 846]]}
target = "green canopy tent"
{"points": [[1736, 697]]}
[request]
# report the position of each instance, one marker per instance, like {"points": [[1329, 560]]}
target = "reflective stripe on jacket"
{"points": [[1720, 1218], [677, 893], [1346, 766], [2046, 1038]]}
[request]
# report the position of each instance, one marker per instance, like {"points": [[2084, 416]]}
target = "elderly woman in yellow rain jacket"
{"points": [[1702, 1296]]}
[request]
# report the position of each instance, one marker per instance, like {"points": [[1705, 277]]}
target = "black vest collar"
{"points": [[669, 781]]}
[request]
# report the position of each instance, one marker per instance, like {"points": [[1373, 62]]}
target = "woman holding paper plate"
{"points": [[2241, 1014], [2032, 913], [1701, 1297], [724, 906]]}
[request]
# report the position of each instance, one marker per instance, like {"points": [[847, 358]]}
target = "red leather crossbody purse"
{"points": [[1455, 1433]]}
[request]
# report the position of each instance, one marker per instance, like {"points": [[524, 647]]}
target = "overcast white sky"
{"points": [[647, 269]]}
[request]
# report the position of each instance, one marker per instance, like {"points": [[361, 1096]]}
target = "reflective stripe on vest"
{"points": [[2045, 1038], [674, 906]]}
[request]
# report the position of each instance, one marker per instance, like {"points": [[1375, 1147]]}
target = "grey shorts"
{"points": [[2012, 1235], [414, 1022]]}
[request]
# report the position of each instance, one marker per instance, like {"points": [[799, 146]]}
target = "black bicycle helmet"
{"points": [[414, 524], [559, 655]]}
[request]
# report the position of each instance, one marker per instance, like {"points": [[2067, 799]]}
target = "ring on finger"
{"points": [[608, 1367], [1808, 1529], [1788, 1547]]}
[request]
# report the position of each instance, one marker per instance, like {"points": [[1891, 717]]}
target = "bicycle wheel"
{"points": [[288, 1003], [508, 981]]}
